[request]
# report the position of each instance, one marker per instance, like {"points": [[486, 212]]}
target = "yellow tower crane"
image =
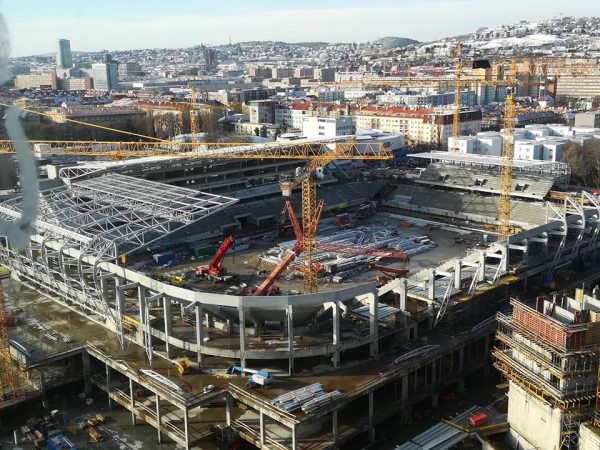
{"points": [[507, 153], [457, 86], [194, 125]]}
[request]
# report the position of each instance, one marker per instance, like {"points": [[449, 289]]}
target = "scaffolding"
{"points": [[9, 376], [551, 352]]}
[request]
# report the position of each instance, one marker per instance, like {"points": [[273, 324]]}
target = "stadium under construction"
{"points": [[411, 281]]}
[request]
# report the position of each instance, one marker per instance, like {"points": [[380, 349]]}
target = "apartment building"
{"points": [[36, 81], [419, 126]]}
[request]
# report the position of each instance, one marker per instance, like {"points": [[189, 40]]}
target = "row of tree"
{"points": [[585, 162]]}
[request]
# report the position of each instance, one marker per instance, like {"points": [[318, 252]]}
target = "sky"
{"points": [[35, 25]]}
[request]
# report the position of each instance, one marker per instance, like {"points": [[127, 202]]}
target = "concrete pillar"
{"points": [[210, 321], [461, 385], [132, 397], [168, 323], [290, 327], [186, 427], [404, 389], [336, 334], [142, 310], [228, 409], [294, 438], [242, 335], [461, 359], [371, 414], [262, 428], [87, 373], [481, 274], [434, 400], [199, 334], [158, 419], [334, 422], [431, 285], [119, 301], [457, 273], [108, 385], [433, 372], [403, 293], [374, 323]]}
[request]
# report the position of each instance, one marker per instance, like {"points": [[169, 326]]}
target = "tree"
{"points": [[257, 131], [263, 131], [585, 162]]}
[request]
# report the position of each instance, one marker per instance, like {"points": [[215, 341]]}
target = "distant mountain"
{"points": [[390, 42]]}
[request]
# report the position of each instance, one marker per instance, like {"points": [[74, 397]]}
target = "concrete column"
{"points": [[336, 334], [334, 422], [374, 323], [158, 418], [119, 300], [132, 397], [108, 385], [186, 428], [434, 400], [481, 275], [404, 389], [461, 385], [210, 321], [87, 373], [431, 285], [371, 414], [142, 309], [199, 334], [262, 428], [403, 294], [228, 409], [168, 323], [290, 327], [294, 438], [242, 335], [461, 359], [433, 372], [457, 273]]}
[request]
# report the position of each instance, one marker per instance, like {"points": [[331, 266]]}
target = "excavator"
{"points": [[268, 285], [215, 270]]}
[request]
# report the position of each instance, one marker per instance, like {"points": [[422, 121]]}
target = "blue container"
{"points": [[163, 258]]}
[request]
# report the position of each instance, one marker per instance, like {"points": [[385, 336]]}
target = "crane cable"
{"points": [[79, 122]]}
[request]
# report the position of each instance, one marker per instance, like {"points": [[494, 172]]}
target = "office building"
{"points": [[106, 75], [64, 58], [36, 81]]}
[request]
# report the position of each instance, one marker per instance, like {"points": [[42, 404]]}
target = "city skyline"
{"points": [[34, 30]]}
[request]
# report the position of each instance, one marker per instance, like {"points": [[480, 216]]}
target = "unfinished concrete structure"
{"points": [[75, 258], [549, 353]]}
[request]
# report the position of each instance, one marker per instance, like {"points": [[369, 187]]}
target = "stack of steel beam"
{"points": [[308, 398]]}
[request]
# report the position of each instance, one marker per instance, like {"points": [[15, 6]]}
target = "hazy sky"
{"points": [[125, 24]]}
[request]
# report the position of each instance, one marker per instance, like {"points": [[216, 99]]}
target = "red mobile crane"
{"points": [[215, 268], [269, 282]]}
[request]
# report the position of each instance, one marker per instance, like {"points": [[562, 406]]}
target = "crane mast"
{"points": [[456, 112], [9, 379], [194, 126], [507, 153]]}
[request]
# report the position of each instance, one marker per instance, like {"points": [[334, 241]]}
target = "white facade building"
{"points": [[327, 127]]}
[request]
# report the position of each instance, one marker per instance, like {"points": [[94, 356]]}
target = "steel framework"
{"points": [[86, 224]]}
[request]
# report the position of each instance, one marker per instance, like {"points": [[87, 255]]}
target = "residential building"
{"points": [[75, 84], [326, 75], [282, 72], [262, 111], [420, 126], [328, 127], [588, 119], [36, 81], [260, 73], [304, 72], [256, 129], [330, 95], [573, 87], [64, 58]]}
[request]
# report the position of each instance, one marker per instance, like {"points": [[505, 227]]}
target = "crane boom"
{"points": [[215, 265]]}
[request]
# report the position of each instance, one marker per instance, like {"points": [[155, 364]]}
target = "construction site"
{"points": [[179, 282]]}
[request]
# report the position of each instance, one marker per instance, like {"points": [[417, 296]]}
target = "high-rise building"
{"points": [[64, 58], [106, 74]]}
